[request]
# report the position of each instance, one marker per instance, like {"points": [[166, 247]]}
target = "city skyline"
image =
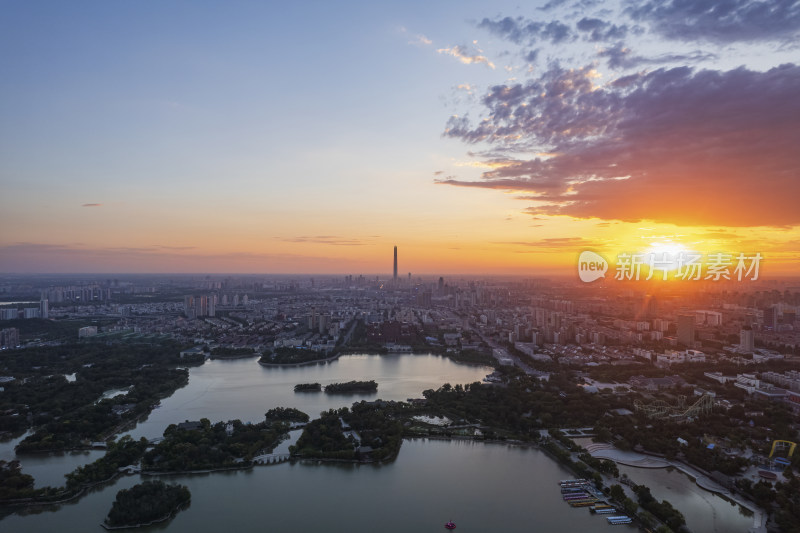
{"points": [[480, 138]]}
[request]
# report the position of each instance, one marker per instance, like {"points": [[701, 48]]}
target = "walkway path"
{"points": [[607, 451]]}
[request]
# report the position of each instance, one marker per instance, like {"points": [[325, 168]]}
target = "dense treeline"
{"points": [[308, 387], [221, 445], [223, 352], [324, 438], [286, 355], [286, 414], [65, 412], [473, 357], [122, 453], [378, 424], [352, 386], [521, 407], [782, 499], [716, 427], [663, 510], [14, 484], [147, 502]]}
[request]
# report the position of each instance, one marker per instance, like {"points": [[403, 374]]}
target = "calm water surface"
{"points": [[243, 389], [705, 511], [482, 487]]}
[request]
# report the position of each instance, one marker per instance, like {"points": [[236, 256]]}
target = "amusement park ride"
{"points": [[783, 459], [662, 410]]}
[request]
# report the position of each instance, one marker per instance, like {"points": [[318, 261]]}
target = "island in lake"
{"points": [[201, 445], [352, 386], [145, 504], [308, 387], [291, 356]]}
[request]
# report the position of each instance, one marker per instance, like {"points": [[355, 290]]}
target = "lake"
{"points": [[243, 389], [482, 487]]}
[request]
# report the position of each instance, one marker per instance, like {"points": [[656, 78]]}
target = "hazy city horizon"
{"points": [[408, 266]]}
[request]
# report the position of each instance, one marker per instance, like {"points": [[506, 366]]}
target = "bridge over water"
{"points": [[271, 458]]}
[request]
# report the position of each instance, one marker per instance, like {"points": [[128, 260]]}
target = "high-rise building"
{"points": [[324, 323], [44, 308], [771, 317], [9, 338], [188, 307], [686, 330], [746, 339], [395, 264]]}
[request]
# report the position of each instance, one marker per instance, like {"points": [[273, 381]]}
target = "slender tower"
{"points": [[395, 264]]}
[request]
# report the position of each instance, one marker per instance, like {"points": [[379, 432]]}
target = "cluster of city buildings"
{"points": [[542, 319]]}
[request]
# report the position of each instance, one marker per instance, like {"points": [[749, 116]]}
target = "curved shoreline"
{"points": [[171, 515], [247, 466], [698, 476], [27, 502], [361, 352], [304, 363]]}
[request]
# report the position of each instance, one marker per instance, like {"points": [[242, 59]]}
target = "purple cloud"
{"points": [[673, 145], [719, 21]]}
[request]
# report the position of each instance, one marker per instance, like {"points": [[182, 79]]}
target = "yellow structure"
{"points": [[782, 445]]}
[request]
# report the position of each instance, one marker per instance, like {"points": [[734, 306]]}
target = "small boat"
{"points": [[450, 525]]}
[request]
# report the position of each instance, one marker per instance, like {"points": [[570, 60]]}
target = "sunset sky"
{"points": [[478, 137]]}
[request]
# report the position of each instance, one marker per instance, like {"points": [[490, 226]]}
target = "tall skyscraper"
{"points": [[771, 318], [395, 264], [686, 330], [746, 340]]}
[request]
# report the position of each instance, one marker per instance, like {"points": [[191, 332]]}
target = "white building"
{"points": [[88, 331]]}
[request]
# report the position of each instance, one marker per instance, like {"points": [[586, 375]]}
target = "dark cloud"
{"points": [[597, 30], [524, 31], [619, 56], [324, 239], [580, 4], [550, 110], [552, 4], [719, 21], [91, 205], [555, 244], [673, 145]]}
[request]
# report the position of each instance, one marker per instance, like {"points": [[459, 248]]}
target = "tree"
{"points": [[630, 506], [617, 493]]}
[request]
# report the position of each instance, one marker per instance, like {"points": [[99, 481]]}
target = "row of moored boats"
{"points": [[581, 493]]}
